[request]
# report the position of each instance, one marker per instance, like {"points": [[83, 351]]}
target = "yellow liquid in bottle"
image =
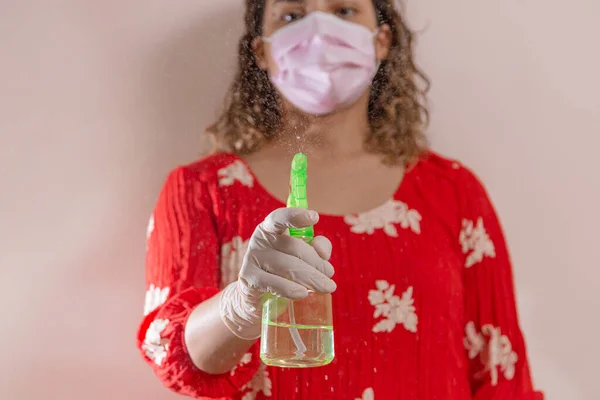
{"points": [[297, 334]]}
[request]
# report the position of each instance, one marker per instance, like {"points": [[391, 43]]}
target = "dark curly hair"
{"points": [[398, 110]]}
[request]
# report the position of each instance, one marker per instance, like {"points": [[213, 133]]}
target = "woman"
{"points": [[424, 304]]}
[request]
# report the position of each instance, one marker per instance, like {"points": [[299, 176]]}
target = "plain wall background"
{"points": [[100, 99]]}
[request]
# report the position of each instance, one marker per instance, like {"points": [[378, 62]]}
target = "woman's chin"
{"points": [[317, 114]]}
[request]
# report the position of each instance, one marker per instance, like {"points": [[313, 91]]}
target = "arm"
{"points": [[193, 335], [499, 369], [213, 347], [182, 279], [220, 330]]}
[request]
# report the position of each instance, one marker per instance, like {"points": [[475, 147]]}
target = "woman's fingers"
{"points": [[271, 283], [309, 254], [284, 218], [323, 247], [296, 270], [284, 265]]}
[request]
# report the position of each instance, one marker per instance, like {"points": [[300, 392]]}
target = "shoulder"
{"points": [[201, 179], [208, 170], [449, 184], [438, 169], [209, 167]]}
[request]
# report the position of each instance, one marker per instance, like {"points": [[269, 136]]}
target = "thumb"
{"points": [[283, 218]]}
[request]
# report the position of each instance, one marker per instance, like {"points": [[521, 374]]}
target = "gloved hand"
{"points": [[279, 264]]}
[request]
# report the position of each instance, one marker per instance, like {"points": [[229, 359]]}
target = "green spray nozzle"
{"points": [[297, 197]]}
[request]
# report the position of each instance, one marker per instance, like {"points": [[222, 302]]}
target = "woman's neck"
{"points": [[333, 137]]}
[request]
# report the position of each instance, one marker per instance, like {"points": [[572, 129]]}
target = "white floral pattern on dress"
{"points": [[232, 255], [386, 217], [246, 358], [393, 309], [236, 171], [368, 394], [150, 227], [260, 383], [154, 346], [494, 350], [475, 239], [155, 297]]}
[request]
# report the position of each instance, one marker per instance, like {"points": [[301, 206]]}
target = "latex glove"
{"points": [[279, 264]]}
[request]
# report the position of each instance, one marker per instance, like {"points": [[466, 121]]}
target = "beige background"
{"points": [[99, 99]]}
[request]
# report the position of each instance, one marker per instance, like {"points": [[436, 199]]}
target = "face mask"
{"points": [[324, 62]]}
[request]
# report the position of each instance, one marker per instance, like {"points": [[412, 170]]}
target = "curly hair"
{"points": [[397, 112]]}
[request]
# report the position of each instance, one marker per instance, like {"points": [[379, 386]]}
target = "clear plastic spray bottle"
{"points": [[298, 334]]}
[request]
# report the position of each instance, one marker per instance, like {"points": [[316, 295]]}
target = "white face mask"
{"points": [[324, 63]]}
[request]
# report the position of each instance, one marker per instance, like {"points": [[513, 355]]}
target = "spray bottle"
{"points": [[298, 334]]}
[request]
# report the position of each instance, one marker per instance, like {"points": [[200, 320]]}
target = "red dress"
{"points": [[425, 306]]}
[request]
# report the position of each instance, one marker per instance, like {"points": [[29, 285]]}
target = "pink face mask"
{"points": [[324, 63]]}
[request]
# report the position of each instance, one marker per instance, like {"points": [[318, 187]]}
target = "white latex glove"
{"points": [[279, 264]]}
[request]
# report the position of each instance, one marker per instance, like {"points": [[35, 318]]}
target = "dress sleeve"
{"points": [[498, 365], [181, 272]]}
